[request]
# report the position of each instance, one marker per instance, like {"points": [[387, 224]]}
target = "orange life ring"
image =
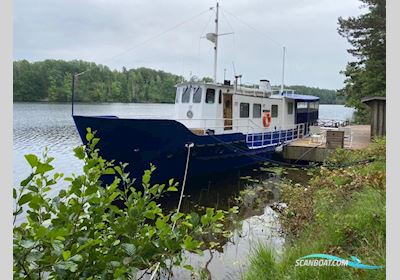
{"points": [[266, 119]]}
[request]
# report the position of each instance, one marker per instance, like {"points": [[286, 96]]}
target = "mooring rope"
{"points": [[188, 146]]}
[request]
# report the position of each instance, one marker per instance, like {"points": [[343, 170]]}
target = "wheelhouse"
{"points": [[211, 108]]}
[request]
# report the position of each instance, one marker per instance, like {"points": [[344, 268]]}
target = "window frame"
{"points": [[274, 113], [290, 107], [189, 90], [178, 95], [240, 110], [254, 106], [197, 91], [208, 91]]}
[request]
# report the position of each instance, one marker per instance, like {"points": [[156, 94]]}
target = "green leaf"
{"points": [[115, 264], [113, 196], [66, 255], [130, 249], [120, 271], [79, 152], [188, 267], [62, 193], [190, 244], [14, 193], [109, 171], [149, 215], [172, 189], [218, 216], [43, 168], [34, 256], [25, 199], [89, 136], [76, 258], [146, 177], [116, 242], [27, 244], [119, 170], [67, 265], [27, 180], [89, 244], [177, 216], [41, 232], [32, 160]]}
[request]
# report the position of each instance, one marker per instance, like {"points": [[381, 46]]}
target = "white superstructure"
{"points": [[220, 109]]}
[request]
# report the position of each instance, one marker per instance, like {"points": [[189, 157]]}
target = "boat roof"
{"points": [[290, 94], [300, 97], [203, 83]]}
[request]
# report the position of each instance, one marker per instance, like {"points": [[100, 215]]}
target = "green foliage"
{"points": [[51, 80], [81, 234], [341, 212], [367, 75]]}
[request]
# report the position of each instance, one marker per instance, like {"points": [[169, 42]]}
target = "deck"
{"points": [[305, 149]]}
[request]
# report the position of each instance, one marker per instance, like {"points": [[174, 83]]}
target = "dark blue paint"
{"points": [[140, 142]]}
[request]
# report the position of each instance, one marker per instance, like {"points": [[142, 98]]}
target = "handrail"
{"points": [[289, 134]]}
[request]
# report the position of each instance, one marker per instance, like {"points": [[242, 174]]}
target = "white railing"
{"points": [[289, 92], [256, 136], [236, 125], [265, 139]]}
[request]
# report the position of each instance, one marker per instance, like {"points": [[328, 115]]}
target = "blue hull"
{"points": [[140, 142]]}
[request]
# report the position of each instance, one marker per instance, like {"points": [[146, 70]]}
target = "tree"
{"points": [[81, 233], [367, 75]]}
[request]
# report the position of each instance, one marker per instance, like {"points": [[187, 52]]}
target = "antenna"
{"points": [[216, 44], [283, 68], [213, 37]]}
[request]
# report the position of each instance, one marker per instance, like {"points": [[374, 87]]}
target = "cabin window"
{"points": [[314, 105], [186, 95], [274, 111], [220, 97], [210, 96], [177, 96], [290, 108], [244, 110], [197, 95], [256, 110], [302, 105]]}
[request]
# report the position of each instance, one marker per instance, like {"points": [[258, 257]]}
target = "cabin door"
{"points": [[227, 111]]}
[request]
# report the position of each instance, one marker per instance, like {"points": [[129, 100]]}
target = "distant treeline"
{"points": [[51, 80]]}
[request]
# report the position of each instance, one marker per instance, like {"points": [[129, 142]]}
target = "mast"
{"points": [[216, 44], [283, 68]]}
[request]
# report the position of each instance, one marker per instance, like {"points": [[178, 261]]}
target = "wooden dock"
{"points": [[305, 149]]}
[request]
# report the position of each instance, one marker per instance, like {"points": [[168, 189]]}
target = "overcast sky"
{"points": [[124, 33]]}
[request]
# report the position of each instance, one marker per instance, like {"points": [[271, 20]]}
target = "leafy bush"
{"points": [[81, 234], [341, 211]]}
